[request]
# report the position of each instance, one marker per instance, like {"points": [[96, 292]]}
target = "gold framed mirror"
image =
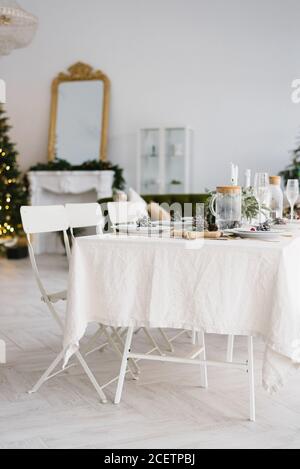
{"points": [[79, 115]]}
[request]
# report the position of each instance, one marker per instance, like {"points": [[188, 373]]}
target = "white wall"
{"points": [[224, 67]]}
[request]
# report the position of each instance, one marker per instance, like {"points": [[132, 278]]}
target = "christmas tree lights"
{"points": [[13, 192]]}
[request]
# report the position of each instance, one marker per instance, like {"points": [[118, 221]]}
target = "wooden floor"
{"points": [[166, 408]]}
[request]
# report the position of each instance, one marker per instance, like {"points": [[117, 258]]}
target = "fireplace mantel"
{"points": [[70, 182], [61, 187]]}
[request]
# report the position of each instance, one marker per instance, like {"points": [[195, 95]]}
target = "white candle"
{"points": [[247, 178], [232, 167], [236, 179]]}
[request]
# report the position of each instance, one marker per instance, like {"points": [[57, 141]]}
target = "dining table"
{"points": [[228, 286]]}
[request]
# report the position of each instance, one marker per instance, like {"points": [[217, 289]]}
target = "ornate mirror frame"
{"points": [[79, 72]]}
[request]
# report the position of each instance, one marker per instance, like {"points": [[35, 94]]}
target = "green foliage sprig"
{"points": [[94, 165], [250, 207], [292, 171]]}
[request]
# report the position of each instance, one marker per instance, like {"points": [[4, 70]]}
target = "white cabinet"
{"points": [[164, 160]]}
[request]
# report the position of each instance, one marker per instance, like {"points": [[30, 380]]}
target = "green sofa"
{"points": [[169, 199]]}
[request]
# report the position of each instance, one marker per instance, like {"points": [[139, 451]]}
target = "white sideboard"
{"points": [[61, 187]]}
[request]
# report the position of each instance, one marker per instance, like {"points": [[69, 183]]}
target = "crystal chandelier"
{"points": [[17, 27]]}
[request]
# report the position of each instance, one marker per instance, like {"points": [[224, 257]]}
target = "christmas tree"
{"points": [[292, 171], [13, 192]]}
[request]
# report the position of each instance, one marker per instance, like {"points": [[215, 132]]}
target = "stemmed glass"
{"points": [[261, 190], [292, 194]]}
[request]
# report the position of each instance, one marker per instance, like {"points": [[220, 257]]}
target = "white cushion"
{"points": [[158, 213], [133, 196], [120, 196]]}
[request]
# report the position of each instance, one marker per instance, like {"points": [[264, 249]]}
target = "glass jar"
{"points": [[276, 198], [226, 206]]}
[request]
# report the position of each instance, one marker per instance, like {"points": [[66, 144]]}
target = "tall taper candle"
{"points": [[247, 178], [236, 179], [232, 167]]}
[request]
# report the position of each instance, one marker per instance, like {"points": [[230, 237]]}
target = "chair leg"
{"points": [[123, 365], [84, 365], [103, 346], [119, 353], [92, 341], [230, 344], [251, 378], [152, 341], [203, 370], [91, 377], [121, 342], [47, 373], [166, 339], [194, 337]]}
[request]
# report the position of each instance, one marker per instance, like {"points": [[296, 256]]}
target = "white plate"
{"points": [[162, 223], [256, 234], [293, 225], [179, 224], [283, 228], [173, 224], [132, 229]]}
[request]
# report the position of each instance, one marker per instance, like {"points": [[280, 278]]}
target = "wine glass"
{"points": [[261, 190], [292, 194]]}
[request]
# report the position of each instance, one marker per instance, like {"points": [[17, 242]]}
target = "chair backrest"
{"points": [[85, 215], [44, 219], [126, 212]]}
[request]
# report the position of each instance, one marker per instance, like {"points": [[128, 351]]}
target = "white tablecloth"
{"points": [[240, 287]]}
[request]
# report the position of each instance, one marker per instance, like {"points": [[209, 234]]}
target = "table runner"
{"points": [[240, 287]]}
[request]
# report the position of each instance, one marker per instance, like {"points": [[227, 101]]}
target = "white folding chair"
{"points": [[86, 216], [49, 219], [128, 212], [191, 360], [125, 212]]}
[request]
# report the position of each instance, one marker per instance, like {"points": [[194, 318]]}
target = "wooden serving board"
{"points": [[212, 234], [196, 234]]}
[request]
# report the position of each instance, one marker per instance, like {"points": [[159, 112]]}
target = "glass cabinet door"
{"points": [[150, 161], [175, 160]]}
